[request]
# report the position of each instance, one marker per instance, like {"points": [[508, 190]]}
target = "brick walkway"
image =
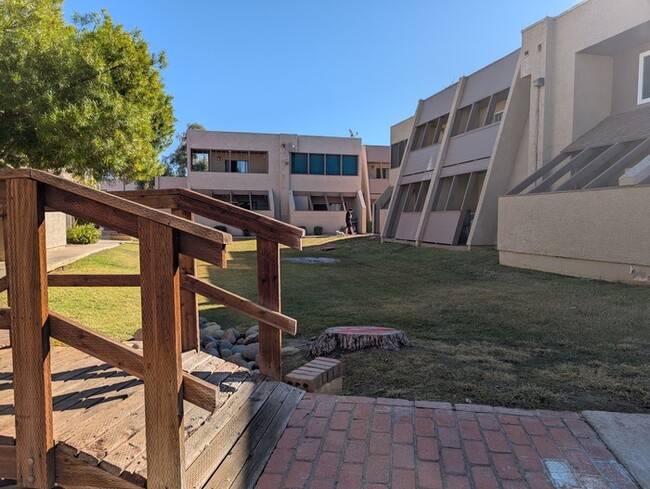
{"points": [[364, 443]]}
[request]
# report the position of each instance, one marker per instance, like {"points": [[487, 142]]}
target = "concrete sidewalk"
{"points": [[364, 443], [64, 255]]}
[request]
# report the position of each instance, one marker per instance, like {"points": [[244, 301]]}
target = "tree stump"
{"points": [[358, 338]]}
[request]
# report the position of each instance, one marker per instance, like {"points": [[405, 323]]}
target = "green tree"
{"points": [[86, 98], [176, 162]]}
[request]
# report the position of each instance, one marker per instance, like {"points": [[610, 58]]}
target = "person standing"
{"points": [[348, 222]]}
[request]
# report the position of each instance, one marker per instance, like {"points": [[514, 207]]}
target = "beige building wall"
{"points": [[283, 186], [561, 51], [600, 233], [574, 70]]}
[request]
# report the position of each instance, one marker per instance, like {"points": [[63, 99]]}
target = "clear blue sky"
{"points": [[318, 67]]}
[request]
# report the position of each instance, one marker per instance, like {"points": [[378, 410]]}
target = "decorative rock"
{"points": [[252, 330], [252, 365], [238, 360], [208, 324], [218, 334], [251, 351], [253, 338], [137, 336], [240, 341], [231, 335], [288, 351], [212, 344], [136, 344], [202, 321], [225, 344], [213, 351], [226, 353], [206, 339], [211, 329], [238, 348]]}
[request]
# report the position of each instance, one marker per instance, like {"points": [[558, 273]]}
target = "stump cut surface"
{"points": [[358, 338]]}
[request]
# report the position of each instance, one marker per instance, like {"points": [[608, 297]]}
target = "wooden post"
{"points": [[161, 331], [268, 289], [27, 276], [190, 339]]}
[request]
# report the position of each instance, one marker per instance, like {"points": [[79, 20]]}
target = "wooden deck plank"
{"points": [[212, 443], [138, 469], [259, 455], [96, 406], [239, 454], [119, 422], [210, 368]]}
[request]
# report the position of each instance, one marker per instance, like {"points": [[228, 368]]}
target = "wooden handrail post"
{"points": [[268, 289], [27, 278], [161, 331], [190, 339]]}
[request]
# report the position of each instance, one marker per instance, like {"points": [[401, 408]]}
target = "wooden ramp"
{"points": [[99, 422]]}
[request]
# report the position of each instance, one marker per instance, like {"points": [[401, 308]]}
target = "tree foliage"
{"points": [[176, 162], [86, 98]]}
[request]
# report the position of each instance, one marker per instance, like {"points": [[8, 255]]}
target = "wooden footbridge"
{"points": [[101, 414]]}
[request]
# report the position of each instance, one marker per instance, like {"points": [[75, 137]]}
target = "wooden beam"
{"points": [[72, 472], [8, 462], [97, 280], [24, 231], [231, 215], [201, 242], [268, 289], [190, 337], [163, 374], [241, 304], [217, 210], [5, 318], [196, 391], [158, 198]]}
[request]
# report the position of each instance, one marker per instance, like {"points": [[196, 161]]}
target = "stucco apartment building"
{"points": [[302, 180], [559, 180]]}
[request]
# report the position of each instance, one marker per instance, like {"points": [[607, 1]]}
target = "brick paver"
{"points": [[356, 443]]}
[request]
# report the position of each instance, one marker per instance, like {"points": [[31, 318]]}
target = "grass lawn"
{"points": [[482, 333]]}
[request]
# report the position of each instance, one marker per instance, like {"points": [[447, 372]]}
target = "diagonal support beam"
{"points": [[240, 304], [195, 390], [630, 159]]}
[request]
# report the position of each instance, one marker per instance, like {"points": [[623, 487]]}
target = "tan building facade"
{"points": [[560, 179], [578, 190], [307, 181], [445, 157]]}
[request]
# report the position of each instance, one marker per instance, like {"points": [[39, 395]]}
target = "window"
{"points": [[440, 131], [418, 137], [397, 153], [478, 114], [237, 166], [317, 164], [462, 117], [350, 164], [299, 163], [333, 164], [200, 159], [322, 164], [497, 107], [644, 78]]}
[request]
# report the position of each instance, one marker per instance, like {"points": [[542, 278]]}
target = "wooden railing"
{"points": [[169, 245]]}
